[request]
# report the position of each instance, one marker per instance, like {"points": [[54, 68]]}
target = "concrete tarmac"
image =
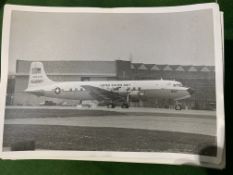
{"points": [[162, 120], [119, 109]]}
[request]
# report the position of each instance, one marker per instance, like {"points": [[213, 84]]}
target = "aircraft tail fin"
{"points": [[37, 75]]}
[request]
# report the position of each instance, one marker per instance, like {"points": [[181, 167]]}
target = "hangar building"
{"points": [[200, 78]]}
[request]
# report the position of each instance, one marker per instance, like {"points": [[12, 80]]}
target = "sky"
{"points": [[184, 38]]}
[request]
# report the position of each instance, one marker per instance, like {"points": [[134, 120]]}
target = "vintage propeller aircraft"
{"points": [[110, 93]]}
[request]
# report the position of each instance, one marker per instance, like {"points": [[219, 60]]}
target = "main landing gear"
{"points": [[125, 105], [112, 105], [178, 107]]}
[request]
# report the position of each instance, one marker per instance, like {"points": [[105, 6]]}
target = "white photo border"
{"points": [[137, 157]]}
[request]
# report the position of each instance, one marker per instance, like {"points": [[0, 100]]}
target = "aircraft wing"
{"points": [[102, 94]]}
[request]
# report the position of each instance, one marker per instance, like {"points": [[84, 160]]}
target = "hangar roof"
{"points": [[166, 67]]}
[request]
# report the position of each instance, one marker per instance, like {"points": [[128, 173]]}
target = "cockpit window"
{"points": [[36, 70]]}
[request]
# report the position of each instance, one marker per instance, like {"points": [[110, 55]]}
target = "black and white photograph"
{"points": [[121, 84]]}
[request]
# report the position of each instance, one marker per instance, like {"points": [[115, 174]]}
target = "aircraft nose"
{"points": [[190, 91]]}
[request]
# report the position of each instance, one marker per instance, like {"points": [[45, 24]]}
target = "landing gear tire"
{"points": [[178, 107], [125, 105], [111, 105]]}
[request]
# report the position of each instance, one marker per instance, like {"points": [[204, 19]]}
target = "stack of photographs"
{"points": [[113, 84]]}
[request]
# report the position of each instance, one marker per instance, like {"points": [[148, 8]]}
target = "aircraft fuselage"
{"points": [[141, 88]]}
